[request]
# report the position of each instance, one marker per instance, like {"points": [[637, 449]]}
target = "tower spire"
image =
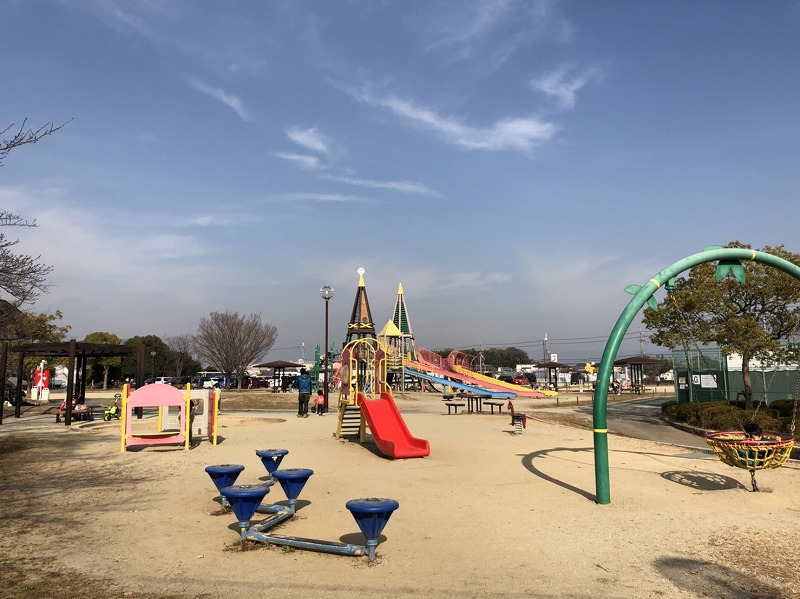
{"points": [[402, 322], [361, 324]]}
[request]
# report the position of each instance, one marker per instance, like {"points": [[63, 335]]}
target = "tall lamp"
{"points": [[326, 293]]}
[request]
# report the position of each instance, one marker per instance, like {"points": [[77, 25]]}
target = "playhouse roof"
{"points": [[390, 330]]}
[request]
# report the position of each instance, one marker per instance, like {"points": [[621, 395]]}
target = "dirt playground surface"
{"points": [[487, 514]]}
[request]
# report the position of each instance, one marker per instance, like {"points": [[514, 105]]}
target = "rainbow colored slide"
{"points": [[389, 429]]}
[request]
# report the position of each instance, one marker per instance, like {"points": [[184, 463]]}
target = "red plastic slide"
{"points": [[389, 429]]}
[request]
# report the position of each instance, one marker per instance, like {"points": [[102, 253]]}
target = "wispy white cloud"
{"points": [[471, 280], [310, 138], [318, 197], [563, 83], [493, 30], [303, 160], [219, 94], [216, 220], [506, 134], [127, 16], [476, 20], [409, 187]]}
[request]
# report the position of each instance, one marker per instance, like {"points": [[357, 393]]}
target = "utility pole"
{"points": [[545, 352]]}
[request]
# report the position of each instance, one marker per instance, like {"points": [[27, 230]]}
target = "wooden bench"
{"points": [[453, 405], [87, 414], [494, 404]]}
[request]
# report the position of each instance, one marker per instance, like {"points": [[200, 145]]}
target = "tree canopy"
{"points": [[106, 364], [181, 349], [232, 342], [755, 319], [22, 276], [507, 357]]}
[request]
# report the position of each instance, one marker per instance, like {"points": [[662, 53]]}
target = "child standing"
{"points": [[320, 403]]}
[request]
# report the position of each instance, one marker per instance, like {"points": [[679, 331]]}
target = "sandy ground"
{"points": [[487, 514]]}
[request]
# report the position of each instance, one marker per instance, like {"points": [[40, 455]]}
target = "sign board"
{"points": [[41, 379], [554, 357]]}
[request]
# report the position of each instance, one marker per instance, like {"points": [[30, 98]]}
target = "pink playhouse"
{"points": [[173, 420]]}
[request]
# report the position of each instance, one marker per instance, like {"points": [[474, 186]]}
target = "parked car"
{"points": [[506, 378], [209, 383], [11, 377], [520, 379]]}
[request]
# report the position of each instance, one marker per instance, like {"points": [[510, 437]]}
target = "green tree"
{"points": [[106, 364], [754, 318], [26, 327], [508, 357], [155, 357]]}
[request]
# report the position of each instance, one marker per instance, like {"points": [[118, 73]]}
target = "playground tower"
{"points": [[361, 324], [402, 322]]}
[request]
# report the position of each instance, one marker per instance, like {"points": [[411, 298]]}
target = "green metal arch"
{"points": [[602, 487]]}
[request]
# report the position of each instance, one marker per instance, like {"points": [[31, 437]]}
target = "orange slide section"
{"points": [[389, 429]]}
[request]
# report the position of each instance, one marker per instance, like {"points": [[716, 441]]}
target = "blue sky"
{"points": [[515, 164]]}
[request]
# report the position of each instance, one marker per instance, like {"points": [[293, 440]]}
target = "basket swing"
{"points": [[753, 450], [750, 448]]}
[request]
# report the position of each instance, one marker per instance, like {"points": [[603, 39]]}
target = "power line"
{"points": [[629, 336]]}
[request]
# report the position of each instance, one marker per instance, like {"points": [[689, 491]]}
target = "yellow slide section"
{"points": [[509, 386]]}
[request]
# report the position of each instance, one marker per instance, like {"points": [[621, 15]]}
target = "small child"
{"points": [[320, 403], [753, 431]]}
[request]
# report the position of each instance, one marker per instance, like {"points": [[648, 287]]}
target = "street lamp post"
{"points": [[153, 371], [326, 293]]}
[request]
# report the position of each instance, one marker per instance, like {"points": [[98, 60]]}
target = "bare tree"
{"points": [[21, 276], [232, 342], [181, 348], [23, 136]]}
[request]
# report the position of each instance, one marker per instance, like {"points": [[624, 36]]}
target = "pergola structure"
{"points": [[636, 366], [278, 369], [552, 371], [77, 354]]}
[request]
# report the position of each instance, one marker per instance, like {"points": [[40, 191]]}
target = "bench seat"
{"points": [[87, 414], [453, 405], [494, 404]]}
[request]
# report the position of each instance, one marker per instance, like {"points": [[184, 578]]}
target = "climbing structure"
{"points": [[357, 364]]}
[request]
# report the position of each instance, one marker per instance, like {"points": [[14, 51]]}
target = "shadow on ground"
{"points": [[706, 579]]}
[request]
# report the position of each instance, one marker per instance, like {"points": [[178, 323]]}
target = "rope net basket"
{"points": [[735, 449]]}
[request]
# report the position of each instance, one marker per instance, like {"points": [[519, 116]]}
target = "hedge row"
{"points": [[724, 416]]}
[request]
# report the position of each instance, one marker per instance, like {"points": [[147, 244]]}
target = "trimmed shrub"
{"points": [[724, 416], [783, 407]]}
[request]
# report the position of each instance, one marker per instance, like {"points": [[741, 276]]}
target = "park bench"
{"points": [[494, 404], [453, 405], [87, 414]]}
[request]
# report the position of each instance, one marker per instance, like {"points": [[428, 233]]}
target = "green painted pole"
{"points": [[599, 422]]}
